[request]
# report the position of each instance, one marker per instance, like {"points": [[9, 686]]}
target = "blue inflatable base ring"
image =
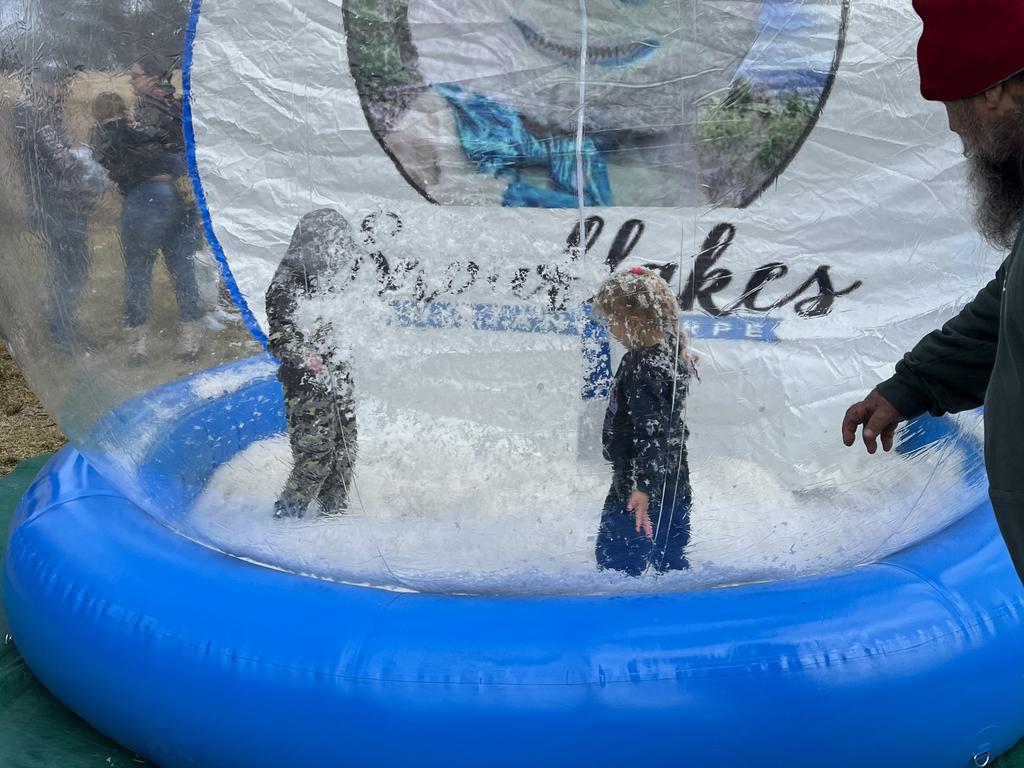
{"points": [[194, 658]]}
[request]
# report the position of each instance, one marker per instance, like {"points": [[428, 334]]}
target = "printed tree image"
{"points": [[746, 136], [381, 55]]}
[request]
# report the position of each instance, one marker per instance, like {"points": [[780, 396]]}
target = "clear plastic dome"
{"points": [[524, 271]]}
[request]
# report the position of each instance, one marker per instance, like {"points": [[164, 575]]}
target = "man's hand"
{"points": [[638, 503], [879, 418]]}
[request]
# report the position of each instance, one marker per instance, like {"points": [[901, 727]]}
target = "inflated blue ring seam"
{"points": [[145, 623]]}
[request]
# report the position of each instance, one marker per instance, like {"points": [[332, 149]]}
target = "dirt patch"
{"points": [[26, 430]]}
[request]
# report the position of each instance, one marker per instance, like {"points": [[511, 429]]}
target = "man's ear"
{"points": [[1014, 87], [994, 96]]}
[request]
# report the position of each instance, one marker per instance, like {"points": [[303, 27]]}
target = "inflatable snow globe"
{"points": [[430, 362]]}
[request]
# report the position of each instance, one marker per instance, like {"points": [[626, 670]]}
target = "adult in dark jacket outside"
{"points": [[146, 159], [57, 201], [317, 381], [972, 59]]}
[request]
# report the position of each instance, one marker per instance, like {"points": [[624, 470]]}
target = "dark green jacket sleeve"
{"points": [[949, 369]]}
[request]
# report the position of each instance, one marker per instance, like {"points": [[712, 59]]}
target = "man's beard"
{"points": [[996, 181], [999, 199]]}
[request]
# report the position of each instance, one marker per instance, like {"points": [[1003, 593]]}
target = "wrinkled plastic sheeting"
{"points": [[66, 83], [494, 161]]}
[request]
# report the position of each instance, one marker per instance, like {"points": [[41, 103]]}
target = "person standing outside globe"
{"points": [[58, 203], [972, 59], [158, 213]]}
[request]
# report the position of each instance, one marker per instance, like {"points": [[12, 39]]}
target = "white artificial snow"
{"points": [[219, 383], [432, 513], [476, 468]]}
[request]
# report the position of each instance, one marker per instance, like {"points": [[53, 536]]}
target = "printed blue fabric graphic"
{"points": [[525, 319], [596, 348], [496, 140]]}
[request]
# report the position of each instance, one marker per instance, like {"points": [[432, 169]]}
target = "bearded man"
{"points": [[971, 58]]}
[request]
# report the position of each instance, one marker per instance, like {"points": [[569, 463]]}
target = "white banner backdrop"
{"points": [[798, 298]]}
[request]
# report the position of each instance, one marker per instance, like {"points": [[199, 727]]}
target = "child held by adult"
{"points": [[145, 157]]}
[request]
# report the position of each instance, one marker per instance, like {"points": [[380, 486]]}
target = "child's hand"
{"points": [[314, 362], [638, 502]]}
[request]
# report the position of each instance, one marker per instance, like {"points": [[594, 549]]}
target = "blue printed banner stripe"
{"points": [[512, 318], [730, 328]]}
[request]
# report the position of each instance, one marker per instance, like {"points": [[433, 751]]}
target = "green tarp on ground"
{"points": [[37, 731]]}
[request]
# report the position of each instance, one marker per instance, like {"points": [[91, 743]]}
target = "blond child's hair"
{"points": [[643, 302]]}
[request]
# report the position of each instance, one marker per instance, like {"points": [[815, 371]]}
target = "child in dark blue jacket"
{"points": [[646, 517]]}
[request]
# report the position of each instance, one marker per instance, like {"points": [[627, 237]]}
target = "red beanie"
{"points": [[968, 46]]}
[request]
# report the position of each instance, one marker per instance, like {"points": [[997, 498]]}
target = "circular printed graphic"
{"points": [[678, 103], [469, 383]]}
